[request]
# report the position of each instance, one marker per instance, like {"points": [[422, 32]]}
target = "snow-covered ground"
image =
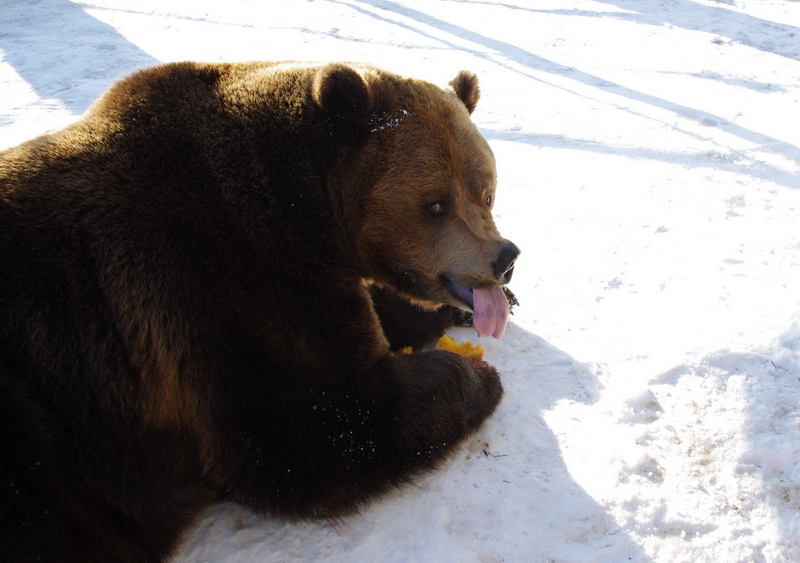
{"points": [[649, 159]]}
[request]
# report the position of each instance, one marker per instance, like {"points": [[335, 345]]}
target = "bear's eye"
{"points": [[488, 201], [438, 209]]}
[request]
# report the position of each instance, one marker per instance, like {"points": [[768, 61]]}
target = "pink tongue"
{"points": [[490, 311]]}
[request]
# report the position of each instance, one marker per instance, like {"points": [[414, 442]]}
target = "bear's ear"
{"points": [[341, 92], [465, 85]]}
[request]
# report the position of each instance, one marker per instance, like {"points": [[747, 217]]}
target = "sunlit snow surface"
{"points": [[650, 172]]}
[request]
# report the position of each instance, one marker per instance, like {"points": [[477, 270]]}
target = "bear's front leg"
{"points": [[437, 399], [342, 445], [405, 324], [419, 409]]}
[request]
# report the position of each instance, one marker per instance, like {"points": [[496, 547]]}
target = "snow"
{"points": [[649, 163]]}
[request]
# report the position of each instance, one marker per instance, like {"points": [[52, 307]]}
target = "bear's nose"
{"points": [[504, 264]]}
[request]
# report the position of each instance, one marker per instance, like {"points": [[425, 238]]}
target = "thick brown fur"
{"points": [[201, 283]]}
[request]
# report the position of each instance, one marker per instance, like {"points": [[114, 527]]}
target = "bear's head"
{"points": [[417, 191]]}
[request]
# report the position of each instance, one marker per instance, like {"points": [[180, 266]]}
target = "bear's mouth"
{"points": [[489, 307]]}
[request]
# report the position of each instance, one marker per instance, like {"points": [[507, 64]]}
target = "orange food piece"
{"points": [[466, 349]]}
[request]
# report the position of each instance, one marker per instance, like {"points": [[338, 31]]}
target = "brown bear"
{"points": [[201, 285]]}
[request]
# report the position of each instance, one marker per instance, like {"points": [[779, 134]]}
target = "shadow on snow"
{"points": [[534, 62], [63, 52]]}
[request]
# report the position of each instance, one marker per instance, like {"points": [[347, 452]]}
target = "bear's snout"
{"points": [[503, 266]]}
